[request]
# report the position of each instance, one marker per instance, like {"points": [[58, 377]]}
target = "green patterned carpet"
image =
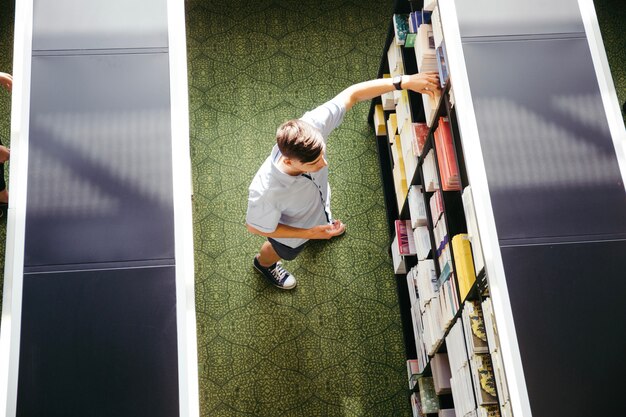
{"points": [[333, 346]]}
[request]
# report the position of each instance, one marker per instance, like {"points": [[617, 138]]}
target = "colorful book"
{"points": [[420, 135], [464, 265], [428, 396], [379, 120], [440, 367], [442, 63], [406, 242], [401, 27], [446, 156]]}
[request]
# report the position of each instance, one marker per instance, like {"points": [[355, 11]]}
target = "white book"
{"points": [[399, 266], [435, 21], [474, 327], [429, 168], [417, 207], [440, 367], [388, 101], [490, 325], [422, 242], [472, 229], [394, 58]]}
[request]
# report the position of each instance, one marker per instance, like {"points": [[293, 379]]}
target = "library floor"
{"points": [[333, 346]]}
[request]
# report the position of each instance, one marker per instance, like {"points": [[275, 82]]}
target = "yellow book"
{"points": [[392, 126], [379, 120], [464, 264], [399, 173]]}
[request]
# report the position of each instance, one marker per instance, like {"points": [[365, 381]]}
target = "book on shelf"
{"points": [[416, 405], [444, 256], [428, 396], [474, 328], [435, 21], [506, 410], [490, 325], [447, 294], [448, 166], [392, 126], [399, 266], [461, 380], [410, 40], [489, 411], [430, 106], [429, 5], [406, 242], [464, 264], [500, 377], [436, 206], [379, 120], [416, 18], [399, 172], [394, 59], [496, 355], [410, 160], [413, 372], [388, 99], [424, 49], [441, 239], [403, 110], [472, 229], [420, 135], [446, 412], [400, 27], [442, 64], [484, 380], [426, 282], [418, 334], [440, 368], [417, 206], [422, 242], [429, 169]]}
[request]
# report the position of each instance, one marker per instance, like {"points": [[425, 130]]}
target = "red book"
{"points": [[420, 134], [448, 167]]}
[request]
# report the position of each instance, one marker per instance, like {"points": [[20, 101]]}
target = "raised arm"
{"points": [[6, 80], [424, 83]]}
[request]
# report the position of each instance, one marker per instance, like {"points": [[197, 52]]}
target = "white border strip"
{"points": [[183, 224], [605, 82], [475, 165], [16, 221]]}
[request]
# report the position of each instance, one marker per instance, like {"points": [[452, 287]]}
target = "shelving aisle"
{"points": [[537, 132]]}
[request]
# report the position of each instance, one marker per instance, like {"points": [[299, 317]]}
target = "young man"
{"points": [[289, 198]]}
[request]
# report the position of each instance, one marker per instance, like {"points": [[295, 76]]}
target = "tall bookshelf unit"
{"points": [[536, 131]]}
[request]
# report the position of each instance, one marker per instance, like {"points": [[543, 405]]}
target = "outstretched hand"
{"points": [[6, 80], [423, 82], [327, 231]]}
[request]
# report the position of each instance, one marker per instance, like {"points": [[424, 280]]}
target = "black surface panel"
{"points": [[528, 17], [99, 24], [549, 156], [100, 167], [567, 303], [99, 344]]}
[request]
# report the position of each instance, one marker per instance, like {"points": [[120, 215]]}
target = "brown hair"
{"points": [[299, 140]]}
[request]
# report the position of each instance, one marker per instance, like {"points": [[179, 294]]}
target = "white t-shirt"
{"points": [[298, 201]]}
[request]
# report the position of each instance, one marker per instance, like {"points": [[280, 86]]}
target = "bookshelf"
{"points": [[519, 232]]}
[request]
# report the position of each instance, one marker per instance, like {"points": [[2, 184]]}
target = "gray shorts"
{"points": [[285, 252]]}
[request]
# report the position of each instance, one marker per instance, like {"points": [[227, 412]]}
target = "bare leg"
{"points": [[267, 255], [4, 196]]}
